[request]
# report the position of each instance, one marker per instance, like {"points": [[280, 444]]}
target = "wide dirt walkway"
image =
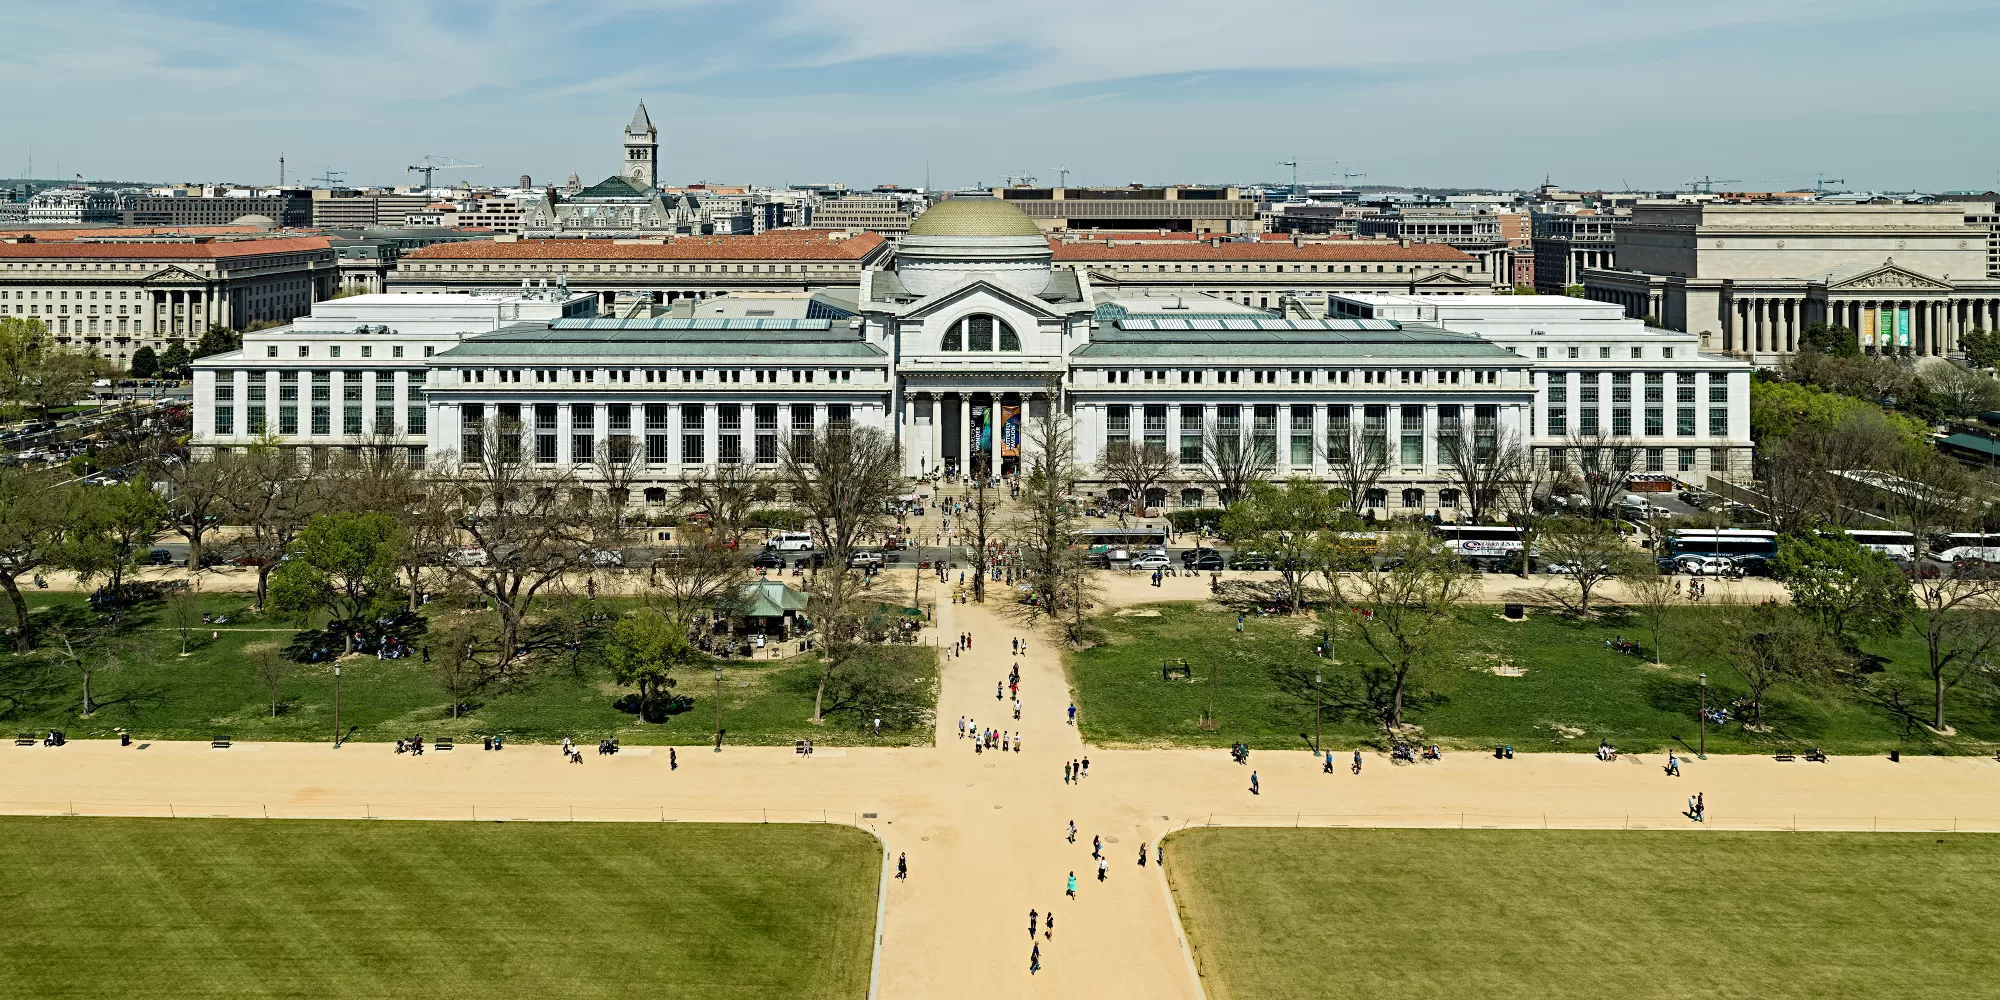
{"points": [[985, 832]]}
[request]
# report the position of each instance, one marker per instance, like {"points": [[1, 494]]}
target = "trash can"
{"points": [[1516, 611]]}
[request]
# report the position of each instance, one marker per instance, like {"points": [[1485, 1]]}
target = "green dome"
{"points": [[974, 217]]}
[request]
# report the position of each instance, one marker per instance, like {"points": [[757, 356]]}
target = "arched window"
{"points": [[1413, 498], [976, 333]]}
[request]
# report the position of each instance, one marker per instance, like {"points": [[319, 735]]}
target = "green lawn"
{"points": [[1547, 683], [1415, 914], [153, 692], [245, 908]]}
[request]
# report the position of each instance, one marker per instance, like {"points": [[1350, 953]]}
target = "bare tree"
{"points": [[1955, 605], [528, 524], [1232, 459], [1136, 469], [690, 578], [272, 501], [184, 610], [198, 496], [843, 481], [1654, 594], [618, 465], [271, 670], [1590, 553], [1480, 461], [1044, 528], [1405, 616], [977, 518], [1604, 463], [1767, 645], [725, 495], [1965, 393], [1523, 491], [1798, 492], [1357, 463], [454, 647]]}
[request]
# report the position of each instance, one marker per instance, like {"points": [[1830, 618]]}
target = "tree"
{"points": [[1830, 338], [1232, 458], [1357, 462], [36, 373], [108, 526], [454, 656], [217, 339], [977, 518], [1591, 551], [1963, 393], [174, 363], [198, 492], [1766, 645], [72, 646], [1044, 527], [378, 479], [34, 516], [1136, 469], [644, 652], [1982, 347], [1291, 524], [344, 564], [843, 480], [1604, 463], [1522, 492], [725, 495], [528, 524], [1852, 593], [1405, 616], [270, 669], [1952, 608], [618, 465], [184, 611], [145, 363], [1654, 593], [1479, 462], [273, 503], [690, 578]]}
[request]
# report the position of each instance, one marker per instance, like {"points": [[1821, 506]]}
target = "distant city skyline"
{"points": [[1765, 94]]}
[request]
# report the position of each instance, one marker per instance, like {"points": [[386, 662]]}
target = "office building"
{"points": [[272, 209], [1267, 273], [1204, 210], [1566, 244], [74, 205]]}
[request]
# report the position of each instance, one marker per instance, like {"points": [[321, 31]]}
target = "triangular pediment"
{"points": [[974, 287], [172, 275], [1445, 278], [1888, 276]]}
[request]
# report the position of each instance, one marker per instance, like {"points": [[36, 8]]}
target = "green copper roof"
{"points": [[974, 216]]}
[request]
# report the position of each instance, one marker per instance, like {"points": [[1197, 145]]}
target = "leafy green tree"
{"points": [[36, 373], [174, 363], [1779, 408], [1982, 347], [1852, 593], [1767, 645], [342, 563], [33, 516], [218, 339], [1831, 338], [108, 525], [145, 363], [1293, 524], [645, 650], [1405, 618]]}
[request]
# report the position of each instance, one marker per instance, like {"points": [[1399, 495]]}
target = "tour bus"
{"points": [[1948, 546], [1484, 545], [1751, 550], [1898, 545]]}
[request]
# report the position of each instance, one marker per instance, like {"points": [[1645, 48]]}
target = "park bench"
{"points": [[1785, 757], [441, 743], [1169, 668], [25, 739], [219, 743]]}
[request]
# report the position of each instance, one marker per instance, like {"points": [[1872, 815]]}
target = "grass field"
{"points": [[155, 693], [274, 909], [1547, 683], [1497, 915]]}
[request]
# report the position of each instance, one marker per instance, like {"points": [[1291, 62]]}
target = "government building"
{"points": [[952, 341]]}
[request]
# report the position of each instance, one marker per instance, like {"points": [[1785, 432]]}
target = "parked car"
{"points": [[159, 557], [604, 557], [791, 541], [1150, 561], [1699, 565], [1250, 560], [865, 559], [768, 559], [468, 557], [1202, 560]]}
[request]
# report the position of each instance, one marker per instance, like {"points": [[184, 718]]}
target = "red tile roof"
{"points": [[165, 251], [60, 235], [1350, 251], [778, 244]]}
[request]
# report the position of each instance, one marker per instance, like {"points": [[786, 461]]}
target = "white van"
{"points": [[791, 541]]}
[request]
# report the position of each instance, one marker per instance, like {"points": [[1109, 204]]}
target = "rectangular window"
{"points": [[1485, 431], [1449, 432], [767, 433], [1656, 460], [545, 449], [1684, 422], [1118, 425], [416, 414], [288, 420], [1686, 459], [1302, 435], [225, 416], [1413, 435], [1338, 433], [1718, 422], [1718, 388], [802, 428], [322, 418], [255, 417], [472, 436], [1621, 421], [385, 419], [619, 417], [1656, 390], [1375, 433], [1718, 460], [1191, 418], [1684, 389], [729, 443], [1264, 434], [1621, 387], [838, 415], [1656, 423], [1156, 426]]}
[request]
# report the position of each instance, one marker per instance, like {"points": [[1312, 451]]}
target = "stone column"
{"points": [[965, 438]]}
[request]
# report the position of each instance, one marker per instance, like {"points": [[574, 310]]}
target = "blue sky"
{"points": [[1594, 94]]}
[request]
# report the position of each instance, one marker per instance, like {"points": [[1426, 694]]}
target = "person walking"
{"points": [[1673, 764], [1328, 769], [1253, 783], [1142, 854], [1160, 853], [961, 727], [1072, 885], [1034, 922], [1005, 742], [1103, 868], [673, 760], [1072, 713], [1035, 958], [1239, 623], [1700, 809], [1066, 773], [1049, 919], [1096, 845], [902, 866], [1017, 741], [1017, 709], [1357, 762], [1072, 831], [1086, 767], [998, 688]]}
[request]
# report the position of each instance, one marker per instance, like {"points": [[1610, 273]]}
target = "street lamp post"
{"points": [[718, 708], [1316, 682], [1702, 752], [336, 706]]}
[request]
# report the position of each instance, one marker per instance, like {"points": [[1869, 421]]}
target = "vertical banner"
{"points": [[1010, 431], [982, 428], [1903, 328], [1868, 328]]}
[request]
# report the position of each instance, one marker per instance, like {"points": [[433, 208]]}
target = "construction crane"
{"points": [[1706, 184], [1294, 164], [330, 177], [432, 164], [1296, 160], [1021, 178], [1820, 182], [1062, 176]]}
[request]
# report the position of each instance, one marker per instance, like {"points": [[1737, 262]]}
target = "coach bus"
{"points": [[1483, 545], [1898, 545], [1751, 549]]}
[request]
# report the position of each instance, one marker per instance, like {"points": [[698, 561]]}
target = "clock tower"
{"points": [[642, 151]]}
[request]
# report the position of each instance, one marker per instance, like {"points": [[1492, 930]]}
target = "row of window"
{"points": [[654, 376], [1303, 376], [1303, 268], [1556, 422], [334, 350], [1575, 352], [619, 442], [1341, 433], [641, 269], [320, 415]]}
